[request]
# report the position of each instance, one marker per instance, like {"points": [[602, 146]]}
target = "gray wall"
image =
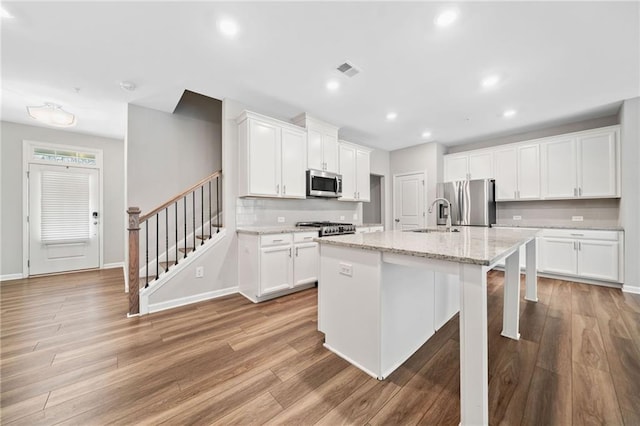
{"points": [[11, 197], [630, 202], [425, 157], [372, 211], [166, 154], [380, 165], [535, 134]]}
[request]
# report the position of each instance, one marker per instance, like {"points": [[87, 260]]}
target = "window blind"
{"points": [[65, 207]]}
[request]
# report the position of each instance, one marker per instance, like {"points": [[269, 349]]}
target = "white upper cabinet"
{"points": [[354, 167], [559, 170], [598, 164], [475, 165], [517, 173], [581, 165], [271, 157], [322, 151], [528, 172], [506, 173], [456, 167]]}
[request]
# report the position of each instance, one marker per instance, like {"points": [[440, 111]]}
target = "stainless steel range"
{"points": [[330, 228]]}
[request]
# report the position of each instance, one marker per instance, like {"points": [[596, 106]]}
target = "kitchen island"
{"points": [[378, 294]]}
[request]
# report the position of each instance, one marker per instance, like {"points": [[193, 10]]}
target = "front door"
{"points": [[409, 209], [63, 218]]}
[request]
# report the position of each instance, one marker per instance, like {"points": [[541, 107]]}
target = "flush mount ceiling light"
{"points": [[392, 116], [52, 114], [446, 18], [228, 27], [333, 85], [129, 86], [509, 113], [426, 134], [490, 81], [4, 13]]}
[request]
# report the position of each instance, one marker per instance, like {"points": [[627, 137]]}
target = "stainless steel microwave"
{"points": [[323, 184]]}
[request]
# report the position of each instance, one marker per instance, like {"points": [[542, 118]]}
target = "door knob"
{"points": [[397, 220]]}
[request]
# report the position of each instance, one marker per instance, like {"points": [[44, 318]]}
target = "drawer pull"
{"points": [[578, 235], [277, 241]]}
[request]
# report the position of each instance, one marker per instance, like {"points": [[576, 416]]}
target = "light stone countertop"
{"points": [[574, 226], [366, 225], [475, 245], [264, 230]]}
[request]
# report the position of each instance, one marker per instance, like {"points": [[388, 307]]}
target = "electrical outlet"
{"points": [[355, 216], [200, 272], [517, 218], [577, 218], [341, 217], [280, 219], [346, 269]]}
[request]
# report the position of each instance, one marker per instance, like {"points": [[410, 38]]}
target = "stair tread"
{"points": [[188, 249]]}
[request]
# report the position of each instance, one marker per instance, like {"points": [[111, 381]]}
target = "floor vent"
{"points": [[348, 69]]}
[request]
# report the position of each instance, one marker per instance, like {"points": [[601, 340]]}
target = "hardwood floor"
{"points": [[70, 356]]}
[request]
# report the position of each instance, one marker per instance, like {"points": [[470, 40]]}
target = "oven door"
{"points": [[323, 184]]}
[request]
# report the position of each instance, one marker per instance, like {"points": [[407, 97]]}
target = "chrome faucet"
{"points": [[448, 225]]}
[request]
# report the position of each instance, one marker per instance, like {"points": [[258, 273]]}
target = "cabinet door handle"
{"points": [[358, 195], [277, 188], [289, 251], [575, 192], [579, 245], [580, 192], [284, 189], [575, 245], [296, 251]]}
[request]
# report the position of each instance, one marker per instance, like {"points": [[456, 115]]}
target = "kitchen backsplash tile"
{"points": [[595, 212], [265, 211]]}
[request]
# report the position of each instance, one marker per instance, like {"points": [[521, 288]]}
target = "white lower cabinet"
{"points": [[276, 264], [586, 254]]}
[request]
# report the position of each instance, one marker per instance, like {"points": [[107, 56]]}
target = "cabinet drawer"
{"points": [[580, 234], [275, 240], [304, 237]]}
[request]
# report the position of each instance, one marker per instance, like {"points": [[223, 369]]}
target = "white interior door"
{"points": [[409, 208], [63, 218]]}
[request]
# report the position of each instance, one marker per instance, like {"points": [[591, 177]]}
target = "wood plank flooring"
{"points": [[69, 355]]}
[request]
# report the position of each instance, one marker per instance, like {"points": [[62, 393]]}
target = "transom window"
{"points": [[64, 156]]}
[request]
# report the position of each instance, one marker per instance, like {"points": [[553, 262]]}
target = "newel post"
{"points": [[134, 260]]}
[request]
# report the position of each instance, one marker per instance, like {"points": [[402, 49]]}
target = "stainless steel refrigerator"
{"points": [[472, 202]]}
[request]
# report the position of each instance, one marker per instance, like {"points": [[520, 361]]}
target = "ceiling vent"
{"points": [[348, 69]]}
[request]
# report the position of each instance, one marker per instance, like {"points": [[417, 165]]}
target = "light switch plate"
{"points": [[577, 218], [346, 269], [280, 219], [200, 272], [517, 218]]}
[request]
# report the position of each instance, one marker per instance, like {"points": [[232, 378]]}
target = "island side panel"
{"points": [[474, 359], [531, 283], [408, 315], [447, 303], [349, 292]]}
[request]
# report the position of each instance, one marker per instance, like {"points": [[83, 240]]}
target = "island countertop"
{"points": [[474, 245]]}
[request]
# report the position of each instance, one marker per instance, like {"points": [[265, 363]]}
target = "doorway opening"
{"points": [[373, 211]]}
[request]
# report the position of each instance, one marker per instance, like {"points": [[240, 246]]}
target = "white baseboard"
{"points": [[157, 307], [113, 265], [631, 289], [9, 277]]}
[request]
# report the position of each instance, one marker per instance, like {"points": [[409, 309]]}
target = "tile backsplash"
{"points": [[595, 212], [266, 211]]}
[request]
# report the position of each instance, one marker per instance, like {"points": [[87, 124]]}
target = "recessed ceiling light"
{"points": [[4, 13], [333, 85], [426, 134], [446, 18], [392, 116], [509, 113], [52, 115], [490, 81], [129, 86], [228, 28]]}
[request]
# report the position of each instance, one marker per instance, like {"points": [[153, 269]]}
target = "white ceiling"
{"points": [[560, 61]]}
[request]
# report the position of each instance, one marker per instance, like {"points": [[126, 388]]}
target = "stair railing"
{"points": [[174, 221]]}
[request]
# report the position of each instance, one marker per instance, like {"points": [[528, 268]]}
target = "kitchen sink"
{"points": [[429, 230]]}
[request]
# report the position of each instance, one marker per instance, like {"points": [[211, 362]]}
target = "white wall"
{"points": [[380, 165], [167, 153], [630, 201], [427, 156], [11, 189]]}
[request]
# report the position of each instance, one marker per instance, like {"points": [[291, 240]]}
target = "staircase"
{"points": [[171, 234]]}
